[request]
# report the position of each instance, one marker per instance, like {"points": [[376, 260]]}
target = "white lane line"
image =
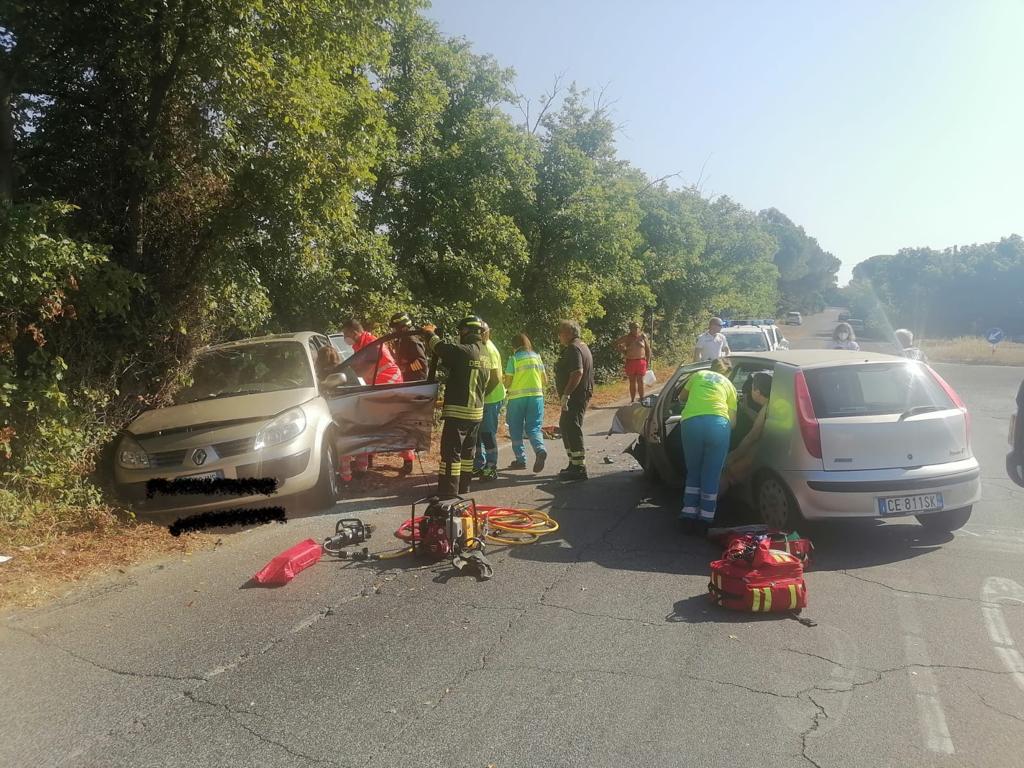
{"points": [[994, 591], [922, 679]]}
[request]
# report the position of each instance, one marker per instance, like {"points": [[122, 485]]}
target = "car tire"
{"points": [[776, 506], [947, 520], [328, 485]]}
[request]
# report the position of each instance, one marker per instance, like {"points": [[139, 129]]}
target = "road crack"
{"points": [[258, 735], [112, 670], [902, 591], [989, 705]]}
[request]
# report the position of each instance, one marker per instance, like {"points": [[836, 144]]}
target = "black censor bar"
{"points": [[226, 486], [227, 518]]}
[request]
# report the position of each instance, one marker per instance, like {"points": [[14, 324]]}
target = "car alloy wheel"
{"points": [[774, 503], [328, 486]]}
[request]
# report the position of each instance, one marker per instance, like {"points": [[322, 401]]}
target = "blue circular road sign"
{"points": [[995, 335]]}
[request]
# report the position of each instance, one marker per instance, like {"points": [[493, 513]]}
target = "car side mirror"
{"points": [[335, 380], [649, 401], [784, 344]]}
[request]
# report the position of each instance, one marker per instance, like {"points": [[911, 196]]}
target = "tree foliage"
{"points": [[807, 273], [959, 290]]}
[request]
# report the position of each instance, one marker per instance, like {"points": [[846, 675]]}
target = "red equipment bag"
{"points": [[762, 580], [283, 568]]}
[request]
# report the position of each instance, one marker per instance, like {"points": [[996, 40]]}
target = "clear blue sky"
{"points": [[875, 125]]}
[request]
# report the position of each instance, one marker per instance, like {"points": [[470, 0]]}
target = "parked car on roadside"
{"points": [[255, 409], [1015, 458], [879, 436], [856, 323], [748, 338], [844, 317], [794, 318], [775, 336]]}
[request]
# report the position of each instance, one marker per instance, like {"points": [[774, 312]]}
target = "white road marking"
{"points": [[922, 679], [994, 591]]}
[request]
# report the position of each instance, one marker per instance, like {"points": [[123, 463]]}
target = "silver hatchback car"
{"points": [[256, 411], [847, 434]]}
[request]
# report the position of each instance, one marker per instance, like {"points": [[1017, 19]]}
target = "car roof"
{"points": [[300, 336], [820, 358], [742, 328]]}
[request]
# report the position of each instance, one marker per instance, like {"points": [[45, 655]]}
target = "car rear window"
{"points": [[747, 342], [873, 390]]}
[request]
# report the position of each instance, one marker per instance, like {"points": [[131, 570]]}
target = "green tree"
{"points": [[807, 273], [459, 175]]}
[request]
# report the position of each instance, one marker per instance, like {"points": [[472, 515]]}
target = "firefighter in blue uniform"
{"points": [[469, 380]]}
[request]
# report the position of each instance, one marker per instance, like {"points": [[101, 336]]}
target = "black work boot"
{"points": [[574, 473]]}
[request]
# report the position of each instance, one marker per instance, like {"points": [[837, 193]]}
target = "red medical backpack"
{"points": [[758, 579]]}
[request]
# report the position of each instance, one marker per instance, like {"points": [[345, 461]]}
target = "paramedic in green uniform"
{"points": [[707, 421]]}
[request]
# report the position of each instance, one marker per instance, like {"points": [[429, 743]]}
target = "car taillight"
{"points": [[810, 429], [951, 393]]}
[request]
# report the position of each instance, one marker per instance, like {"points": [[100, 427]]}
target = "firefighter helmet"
{"points": [[471, 324], [401, 319]]}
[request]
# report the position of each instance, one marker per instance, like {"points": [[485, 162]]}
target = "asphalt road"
{"points": [[596, 647]]}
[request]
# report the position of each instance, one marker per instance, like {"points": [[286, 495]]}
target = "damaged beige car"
{"points": [[255, 410]]}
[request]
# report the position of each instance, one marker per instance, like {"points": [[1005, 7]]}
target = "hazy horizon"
{"points": [[874, 126]]}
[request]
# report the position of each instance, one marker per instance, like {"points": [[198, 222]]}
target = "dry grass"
{"points": [[44, 564], [971, 349]]}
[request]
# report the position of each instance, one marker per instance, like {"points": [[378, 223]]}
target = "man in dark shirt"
{"points": [[574, 379]]}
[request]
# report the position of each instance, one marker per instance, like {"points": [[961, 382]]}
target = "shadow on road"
{"points": [[698, 609], [620, 521]]}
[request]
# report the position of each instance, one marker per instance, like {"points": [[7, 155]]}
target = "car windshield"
{"points": [[753, 341], [874, 390], [246, 370]]}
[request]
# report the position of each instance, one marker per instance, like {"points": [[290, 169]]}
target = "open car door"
{"points": [[379, 418]]}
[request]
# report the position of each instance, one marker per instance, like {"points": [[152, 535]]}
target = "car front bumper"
{"points": [[823, 495], [293, 472]]}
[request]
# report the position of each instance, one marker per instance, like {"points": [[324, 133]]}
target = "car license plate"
{"points": [[909, 505], [215, 475]]}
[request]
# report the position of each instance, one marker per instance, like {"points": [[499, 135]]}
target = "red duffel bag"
{"points": [[283, 567], [764, 580]]}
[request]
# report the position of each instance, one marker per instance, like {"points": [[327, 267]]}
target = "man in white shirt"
{"points": [[711, 344]]}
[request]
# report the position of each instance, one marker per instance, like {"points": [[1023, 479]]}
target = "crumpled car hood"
{"points": [[221, 412]]}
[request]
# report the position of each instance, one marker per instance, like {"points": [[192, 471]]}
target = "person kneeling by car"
{"points": [[740, 461]]}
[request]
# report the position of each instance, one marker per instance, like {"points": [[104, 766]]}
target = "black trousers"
{"points": [[571, 425], [458, 444]]}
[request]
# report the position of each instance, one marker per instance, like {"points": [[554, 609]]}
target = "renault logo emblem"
{"points": [[198, 457]]}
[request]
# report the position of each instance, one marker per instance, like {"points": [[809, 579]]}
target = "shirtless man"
{"points": [[637, 349]]}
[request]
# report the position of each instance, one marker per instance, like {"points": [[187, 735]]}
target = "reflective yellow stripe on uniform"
{"points": [[792, 596], [756, 596], [767, 598], [462, 412]]}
